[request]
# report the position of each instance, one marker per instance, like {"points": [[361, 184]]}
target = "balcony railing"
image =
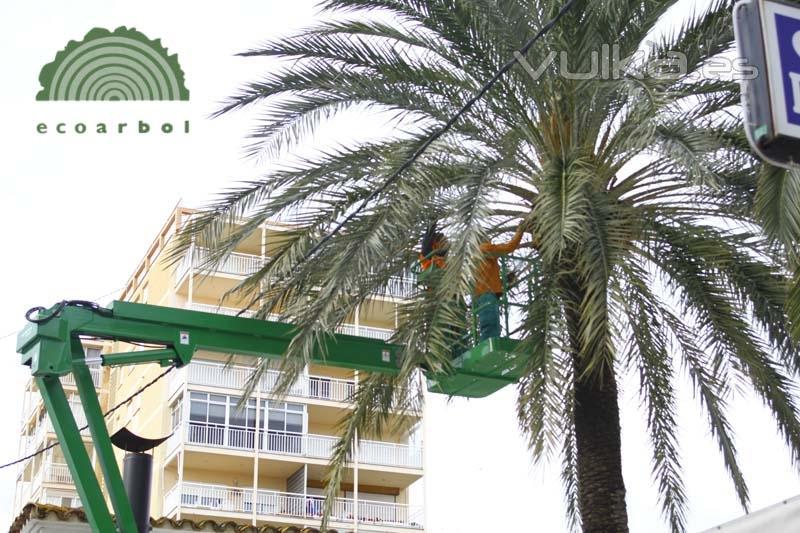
{"points": [[227, 311], [238, 264], [73, 502], [236, 377], [33, 399], [347, 329], [77, 412], [25, 444], [235, 264], [389, 454], [270, 503], [45, 426], [30, 404], [365, 331], [24, 491], [53, 473], [210, 374], [94, 370], [402, 286], [298, 444], [294, 444]]}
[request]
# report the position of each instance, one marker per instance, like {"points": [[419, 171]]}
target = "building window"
{"points": [[217, 419], [285, 423], [208, 408], [207, 415], [242, 423], [243, 416], [286, 417], [176, 414]]}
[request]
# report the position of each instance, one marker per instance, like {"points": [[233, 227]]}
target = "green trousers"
{"points": [[488, 308]]}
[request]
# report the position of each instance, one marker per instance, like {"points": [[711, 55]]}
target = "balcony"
{"points": [[33, 399], [53, 473], [303, 445], [94, 370], [274, 504], [45, 426], [236, 377], [235, 264], [348, 329], [227, 311], [372, 452], [210, 374], [242, 265], [380, 334], [72, 501], [25, 444]]}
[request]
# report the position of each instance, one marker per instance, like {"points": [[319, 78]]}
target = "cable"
{"points": [[449, 124], [145, 345], [15, 332], [105, 415], [55, 311], [7, 335], [435, 135]]}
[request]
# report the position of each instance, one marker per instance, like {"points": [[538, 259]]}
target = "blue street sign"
{"points": [[782, 33], [789, 44], [768, 38]]}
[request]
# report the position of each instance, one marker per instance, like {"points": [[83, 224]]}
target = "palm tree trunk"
{"points": [[601, 489]]}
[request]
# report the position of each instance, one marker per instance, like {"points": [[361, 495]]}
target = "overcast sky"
{"points": [[79, 211]]}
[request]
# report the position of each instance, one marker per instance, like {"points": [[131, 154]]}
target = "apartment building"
{"points": [[258, 462], [45, 478]]}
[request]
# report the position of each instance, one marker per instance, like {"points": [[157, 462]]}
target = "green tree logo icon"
{"points": [[123, 65]]}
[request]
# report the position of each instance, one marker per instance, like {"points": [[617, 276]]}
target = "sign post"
{"points": [[768, 37]]}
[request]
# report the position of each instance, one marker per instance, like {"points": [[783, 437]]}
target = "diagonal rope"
{"points": [[521, 52]]}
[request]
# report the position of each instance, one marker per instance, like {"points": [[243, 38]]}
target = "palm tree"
{"points": [[777, 206], [645, 252]]}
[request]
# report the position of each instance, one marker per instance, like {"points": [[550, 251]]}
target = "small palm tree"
{"points": [[646, 252]]}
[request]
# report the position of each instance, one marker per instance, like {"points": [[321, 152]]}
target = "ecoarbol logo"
{"points": [[122, 65], [104, 127], [111, 67]]}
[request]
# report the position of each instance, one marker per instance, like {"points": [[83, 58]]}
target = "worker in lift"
{"points": [[432, 256], [489, 286], [432, 263]]}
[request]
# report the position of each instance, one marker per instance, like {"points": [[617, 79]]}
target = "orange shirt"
{"points": [[433, 259], [427, 262], [488, 277]]}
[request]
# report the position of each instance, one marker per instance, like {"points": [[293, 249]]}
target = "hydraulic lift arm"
{"points": [[52, 348]]}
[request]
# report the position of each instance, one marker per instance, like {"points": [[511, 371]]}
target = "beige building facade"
{"points": [[257, 462]]}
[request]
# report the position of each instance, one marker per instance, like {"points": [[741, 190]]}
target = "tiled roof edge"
{"points": [[42, 511]]}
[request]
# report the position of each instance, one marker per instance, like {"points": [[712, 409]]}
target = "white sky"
{"points": [[79, 211]]}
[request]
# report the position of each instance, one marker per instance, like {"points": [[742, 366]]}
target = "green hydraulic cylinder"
{"points": [[138, 358]]}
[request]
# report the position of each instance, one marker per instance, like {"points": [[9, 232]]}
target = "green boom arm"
{"points": [[52, 348]]}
